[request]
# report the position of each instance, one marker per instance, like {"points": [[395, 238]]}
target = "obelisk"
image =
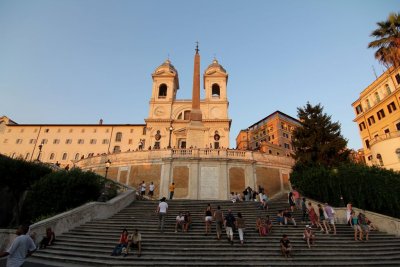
{"points": [[195, 129]]}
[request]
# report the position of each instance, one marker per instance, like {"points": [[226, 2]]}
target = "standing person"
{"points": [[304, 210], [349, 209], [219, 220], [171, 190], [208, 218], [322, 219], [142, 189], [240, 224], [21, 248], [135, 240], [312, 215], [330, 213], [297, 198], [246, 194], [268, 224], [286, 247], [355, 224], [151, 190], [162, 210], [291, 200], [308, 236], [229, 223], [260, 225]]}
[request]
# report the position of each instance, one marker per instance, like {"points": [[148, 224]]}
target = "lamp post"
{"points": [[170, 133], [108, 163], [40, 151]]}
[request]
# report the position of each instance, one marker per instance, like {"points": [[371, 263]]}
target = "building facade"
{"points": [[166, 126], [271, 135], [377, 113], [181, 141]]}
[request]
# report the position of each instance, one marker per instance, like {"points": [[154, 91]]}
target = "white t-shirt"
{"points": [[180, 218], [151, 187], [143, 188], [19, 249], [163, 206]]}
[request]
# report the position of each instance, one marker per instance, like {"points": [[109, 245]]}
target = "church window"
{"points": [[144, 131], [371, 120], [52, 156], [361, 126], [367, 143], [388, 91], [44, 141], [68, 141], [118, 137], [19, 141], [105, 141], [215, 91], [378, 99], [56, 141], [117, 149], [359, 109], [64, 156], [93, 141], [80, 141], [76, 156], [162, 91]]}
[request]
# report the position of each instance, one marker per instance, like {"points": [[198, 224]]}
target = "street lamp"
{"points": [[170, 133], [40, 151], [108, 163]]}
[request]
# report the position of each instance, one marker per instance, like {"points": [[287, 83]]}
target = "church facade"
{"points": [[182, 141]]}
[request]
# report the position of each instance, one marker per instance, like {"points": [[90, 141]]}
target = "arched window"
{"points": [[162, 91], [388, 91], [378, 99], [184, 115], [379, 157], [215, 91], [117, 149], [52, 156], [77, 156], [64, 157], [118, 137]]}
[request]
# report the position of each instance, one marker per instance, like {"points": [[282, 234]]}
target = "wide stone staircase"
{"points": [[91, 244]]}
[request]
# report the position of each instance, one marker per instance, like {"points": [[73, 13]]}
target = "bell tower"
{"points": [[165, 87]]}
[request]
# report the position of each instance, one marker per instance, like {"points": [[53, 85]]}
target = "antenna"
{"points": [[373, 68]]}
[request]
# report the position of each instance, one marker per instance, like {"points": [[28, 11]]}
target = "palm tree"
{"points": [[387, 41]]}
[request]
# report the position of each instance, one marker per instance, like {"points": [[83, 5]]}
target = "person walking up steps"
{"points": [[229, 223], [219, 220], [171, 190], [162, 210], [240, 224]]}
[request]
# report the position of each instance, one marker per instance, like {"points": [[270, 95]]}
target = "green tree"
{"points": [[387, 41], [319, 140]]}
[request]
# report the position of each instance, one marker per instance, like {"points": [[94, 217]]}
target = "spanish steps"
{"points": [[92, 243]]}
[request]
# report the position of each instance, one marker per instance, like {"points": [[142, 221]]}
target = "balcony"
{"points": [[384, 137]]}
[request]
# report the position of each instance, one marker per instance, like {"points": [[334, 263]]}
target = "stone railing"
{"points": [[68, 220], [384, 137], [158, 154], [384, 223]]}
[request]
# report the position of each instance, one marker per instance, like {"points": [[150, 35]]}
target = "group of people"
{"points": [[142, 187], [360, 223], [24, 245], [128, 241]]}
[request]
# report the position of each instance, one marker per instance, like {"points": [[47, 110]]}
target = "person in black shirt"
{"points": [[229, 223], [286, 247]]}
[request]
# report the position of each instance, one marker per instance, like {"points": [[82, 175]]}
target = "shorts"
{"points": [[280, 220], [365, 228], [142, 193], [208, 219], [151, 193], [356, 227]]}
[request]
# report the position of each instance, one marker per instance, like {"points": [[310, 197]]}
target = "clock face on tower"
{"points": [[159, 111]]}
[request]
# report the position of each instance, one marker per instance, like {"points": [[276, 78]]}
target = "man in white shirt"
{"points": [[143, 188], [162, 210], [22, 247], [151, 189]]}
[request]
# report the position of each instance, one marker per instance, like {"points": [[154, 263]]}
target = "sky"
{"points": [[76, 61]]}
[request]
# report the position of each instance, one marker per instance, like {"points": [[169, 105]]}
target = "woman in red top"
{"points": [[123, 243]]}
